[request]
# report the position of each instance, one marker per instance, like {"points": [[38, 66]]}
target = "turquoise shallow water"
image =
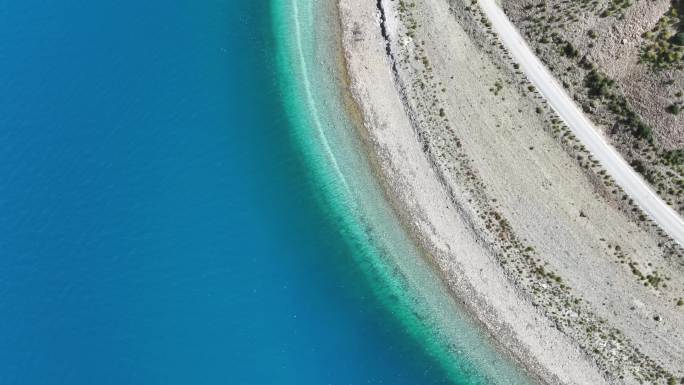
{"points": [[167, 216], [394, 267]]}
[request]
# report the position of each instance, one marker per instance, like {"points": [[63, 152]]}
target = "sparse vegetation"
{"points": [[498, 85], [570, 51], [598, 84], [665, 45], [616, 8], [674, 108], [552, 28]]}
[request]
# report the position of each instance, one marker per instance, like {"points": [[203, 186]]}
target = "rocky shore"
{"points": [[525, 230]]}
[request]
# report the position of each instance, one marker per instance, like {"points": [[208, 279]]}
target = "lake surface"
{"points": [[161, 220]]}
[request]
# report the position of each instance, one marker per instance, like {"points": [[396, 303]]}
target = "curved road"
{"points": [[623, 174]]}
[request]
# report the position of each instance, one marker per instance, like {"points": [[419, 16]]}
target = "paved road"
{"points": [[630, 181]]}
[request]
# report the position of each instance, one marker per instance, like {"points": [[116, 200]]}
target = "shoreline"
{"points": [[467, 309], [366, 59], [463, 292], [401, 279]]}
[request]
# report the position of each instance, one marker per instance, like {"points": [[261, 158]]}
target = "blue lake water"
{"points": [[184, 200], [159, 224]]}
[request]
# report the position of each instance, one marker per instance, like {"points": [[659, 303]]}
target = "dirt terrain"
{"points": [[623, 61], [527, 230]]}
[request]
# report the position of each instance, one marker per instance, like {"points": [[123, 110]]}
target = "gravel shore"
{"points": [[525, 231]]}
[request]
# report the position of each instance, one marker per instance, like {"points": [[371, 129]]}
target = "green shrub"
{"points": [[570, 51], [674, 157], [664, 47], [598, 84], [642, 130], [678, 39]]}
